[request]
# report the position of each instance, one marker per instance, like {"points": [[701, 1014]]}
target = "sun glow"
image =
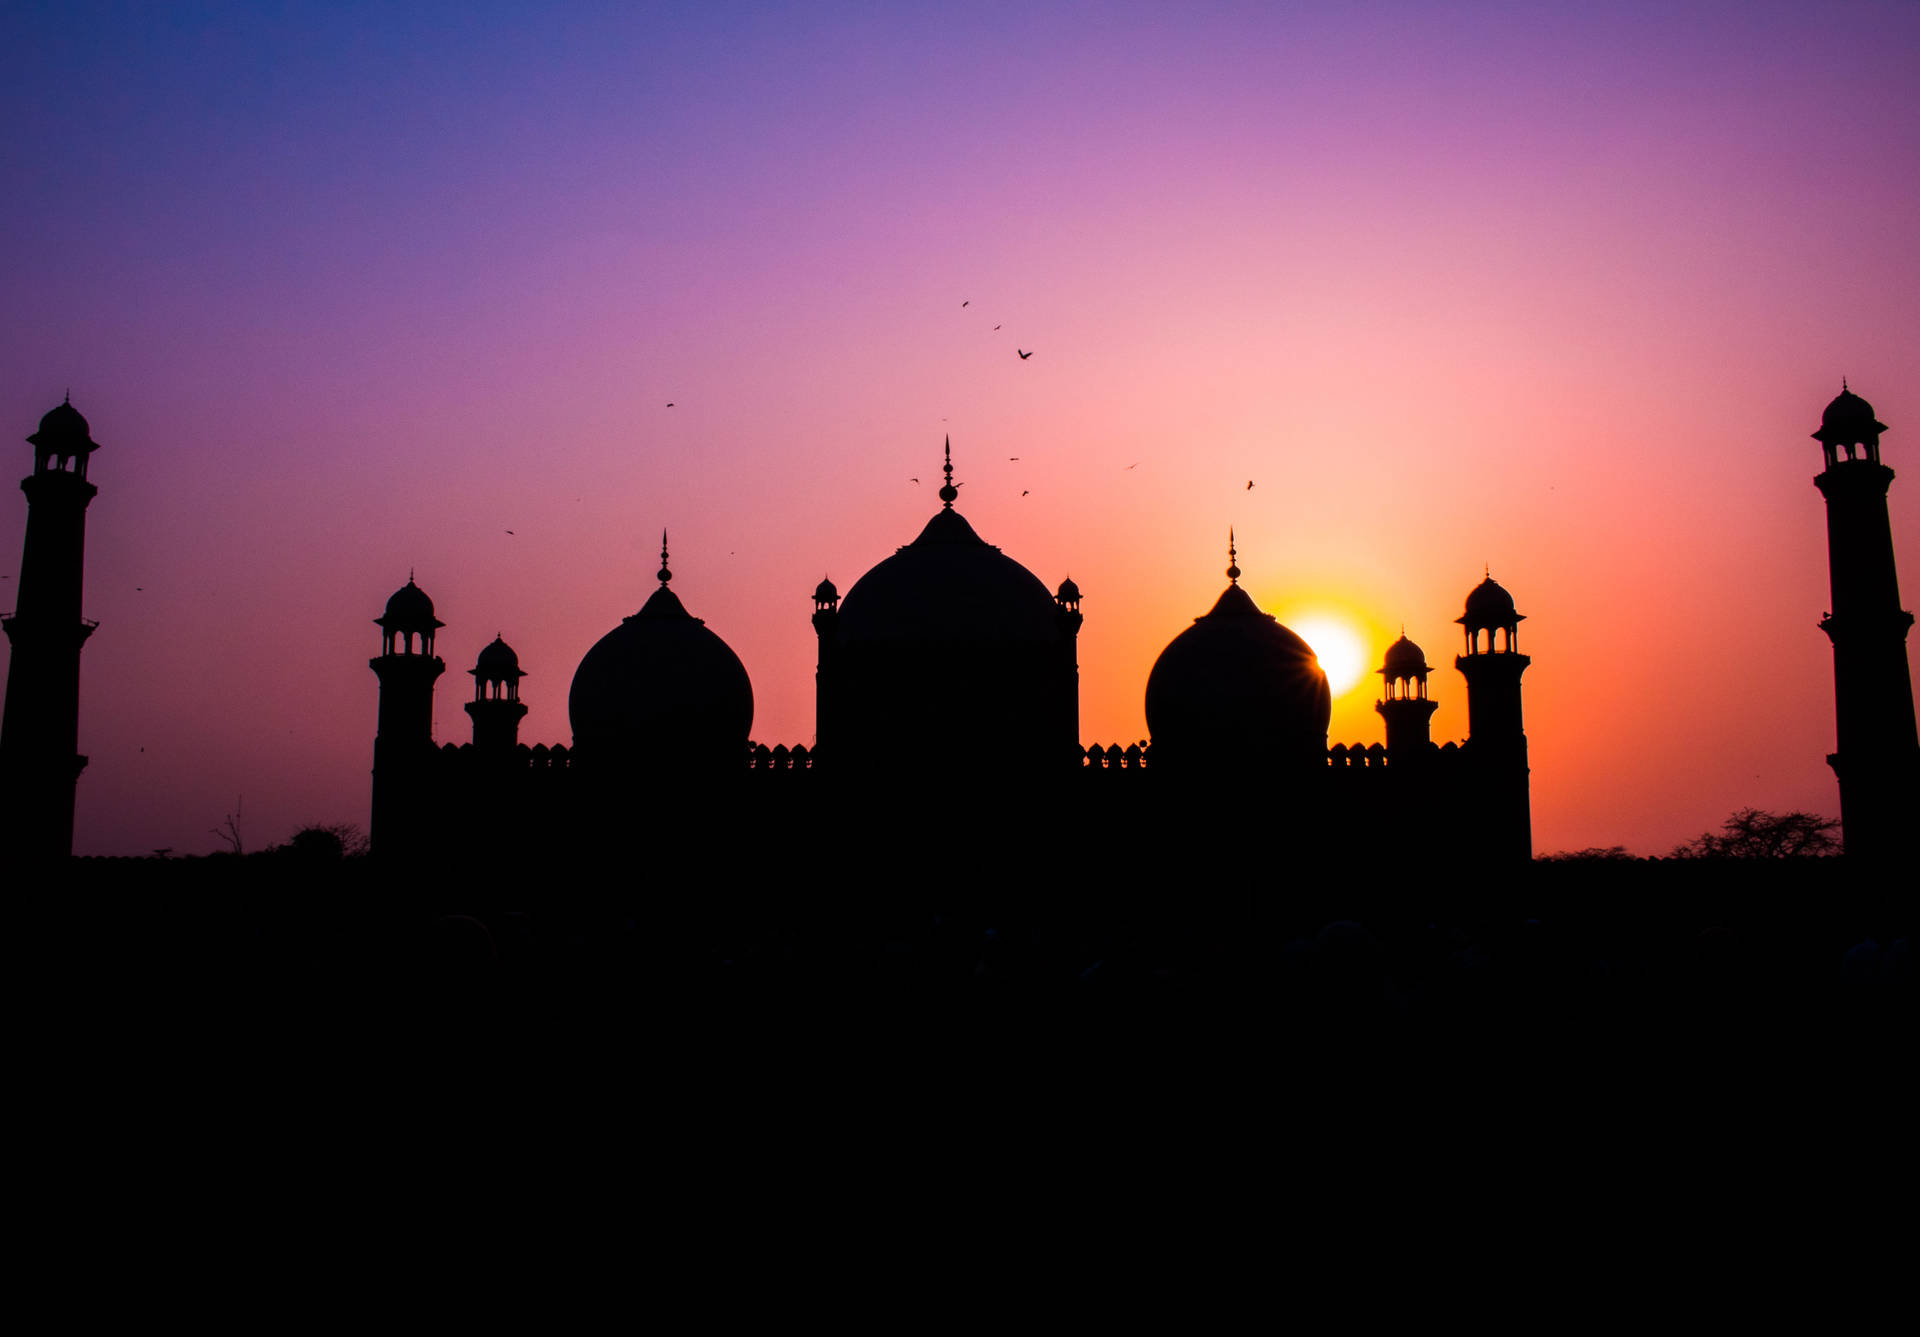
{"points": [[1340, 646]]}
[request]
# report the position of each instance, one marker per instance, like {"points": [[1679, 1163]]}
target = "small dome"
{"points": [[662, 688], [497, 663], [1848, 420], [409, 610], [1235, 685], [949, 585], [1489, 605], [63, 431], [1069, 592], [1405, 660], [825, 593]]}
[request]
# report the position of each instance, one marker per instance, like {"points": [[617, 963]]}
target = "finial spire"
{"points": [[1233, 564], [949, 493], [1843, 386], [665, 574]]}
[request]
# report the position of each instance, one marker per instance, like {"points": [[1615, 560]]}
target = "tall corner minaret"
{"points": [[496, 709], [1067, 600], [1404, 703], [40, 762], [403, 747], [1496, 737], [1878, 761], [826, 626]]}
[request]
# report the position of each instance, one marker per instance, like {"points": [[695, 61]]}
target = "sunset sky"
{"points": [[1555, 290]]}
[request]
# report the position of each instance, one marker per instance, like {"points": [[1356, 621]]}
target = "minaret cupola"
{"points": [[1403, 703], [63, 442], [496, 708], [1847, 425], [409, 615]]}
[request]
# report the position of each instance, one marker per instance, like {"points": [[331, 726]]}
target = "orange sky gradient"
{"points": [[1559, 297]]}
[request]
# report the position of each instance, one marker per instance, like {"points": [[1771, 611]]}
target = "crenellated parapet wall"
{"points": [[1116, 758]]}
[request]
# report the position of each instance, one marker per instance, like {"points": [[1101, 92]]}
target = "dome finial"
{"points": [[1843, 386], [1233, 564], [949, 493], [665, 575]]}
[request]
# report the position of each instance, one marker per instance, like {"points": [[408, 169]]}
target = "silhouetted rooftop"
{"points": [[1237, 676], [661, 679], [949, 585], [1404, 659], [497, 662], [1489, 605], [409, 610], [1848, 420], [63, 431]]}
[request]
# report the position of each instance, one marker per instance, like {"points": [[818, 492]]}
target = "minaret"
{"points": [[1404, 704], [1878, 761], [1496, 739], [40, 763], [403, 747], [1067, 600], [826, 626], [495, 709]]}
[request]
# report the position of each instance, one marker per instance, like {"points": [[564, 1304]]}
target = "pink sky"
{"points": [[1558, 292]]}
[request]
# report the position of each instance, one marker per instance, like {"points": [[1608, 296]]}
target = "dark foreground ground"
{"points": [[718, 978], [679, 1075]]}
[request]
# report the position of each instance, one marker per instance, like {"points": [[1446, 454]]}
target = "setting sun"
{"points": [[1341, 648]]}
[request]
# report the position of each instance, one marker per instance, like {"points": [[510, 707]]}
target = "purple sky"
{"points": [[350, 290]]}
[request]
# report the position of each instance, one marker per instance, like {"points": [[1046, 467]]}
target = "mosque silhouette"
{"points": [[1237, 710], [662, 712]]}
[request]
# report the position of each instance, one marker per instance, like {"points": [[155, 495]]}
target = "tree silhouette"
{"points": [[1752, 833]]}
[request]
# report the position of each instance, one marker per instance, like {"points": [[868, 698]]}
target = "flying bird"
{"points": [[1023, 355], [1024, 493], [1134, 465], [1013, 457], [510, 531], [1249, 485], [996, 327], [913, 480], [965, 304]]}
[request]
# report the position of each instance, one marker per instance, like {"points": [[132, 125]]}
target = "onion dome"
{"points": [[661, 687], [1405, 660], [1068, 592], [1489, 605], [1236, 686], [409, 610], [497, 663], [949, 585], [825, 593], [63, 435], [1848, 421]]}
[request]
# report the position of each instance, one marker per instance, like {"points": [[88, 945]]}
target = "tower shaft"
{"points": [[1877, 762], [40, 763]]}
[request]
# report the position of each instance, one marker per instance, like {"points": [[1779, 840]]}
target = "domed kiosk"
{"points": [[661, 695], [1848, 425], [1237, 691], [948, 639]]}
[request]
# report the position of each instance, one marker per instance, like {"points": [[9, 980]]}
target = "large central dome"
{"points": [[661, 688], [1237, 689], [949, 585], [952, 645]]}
